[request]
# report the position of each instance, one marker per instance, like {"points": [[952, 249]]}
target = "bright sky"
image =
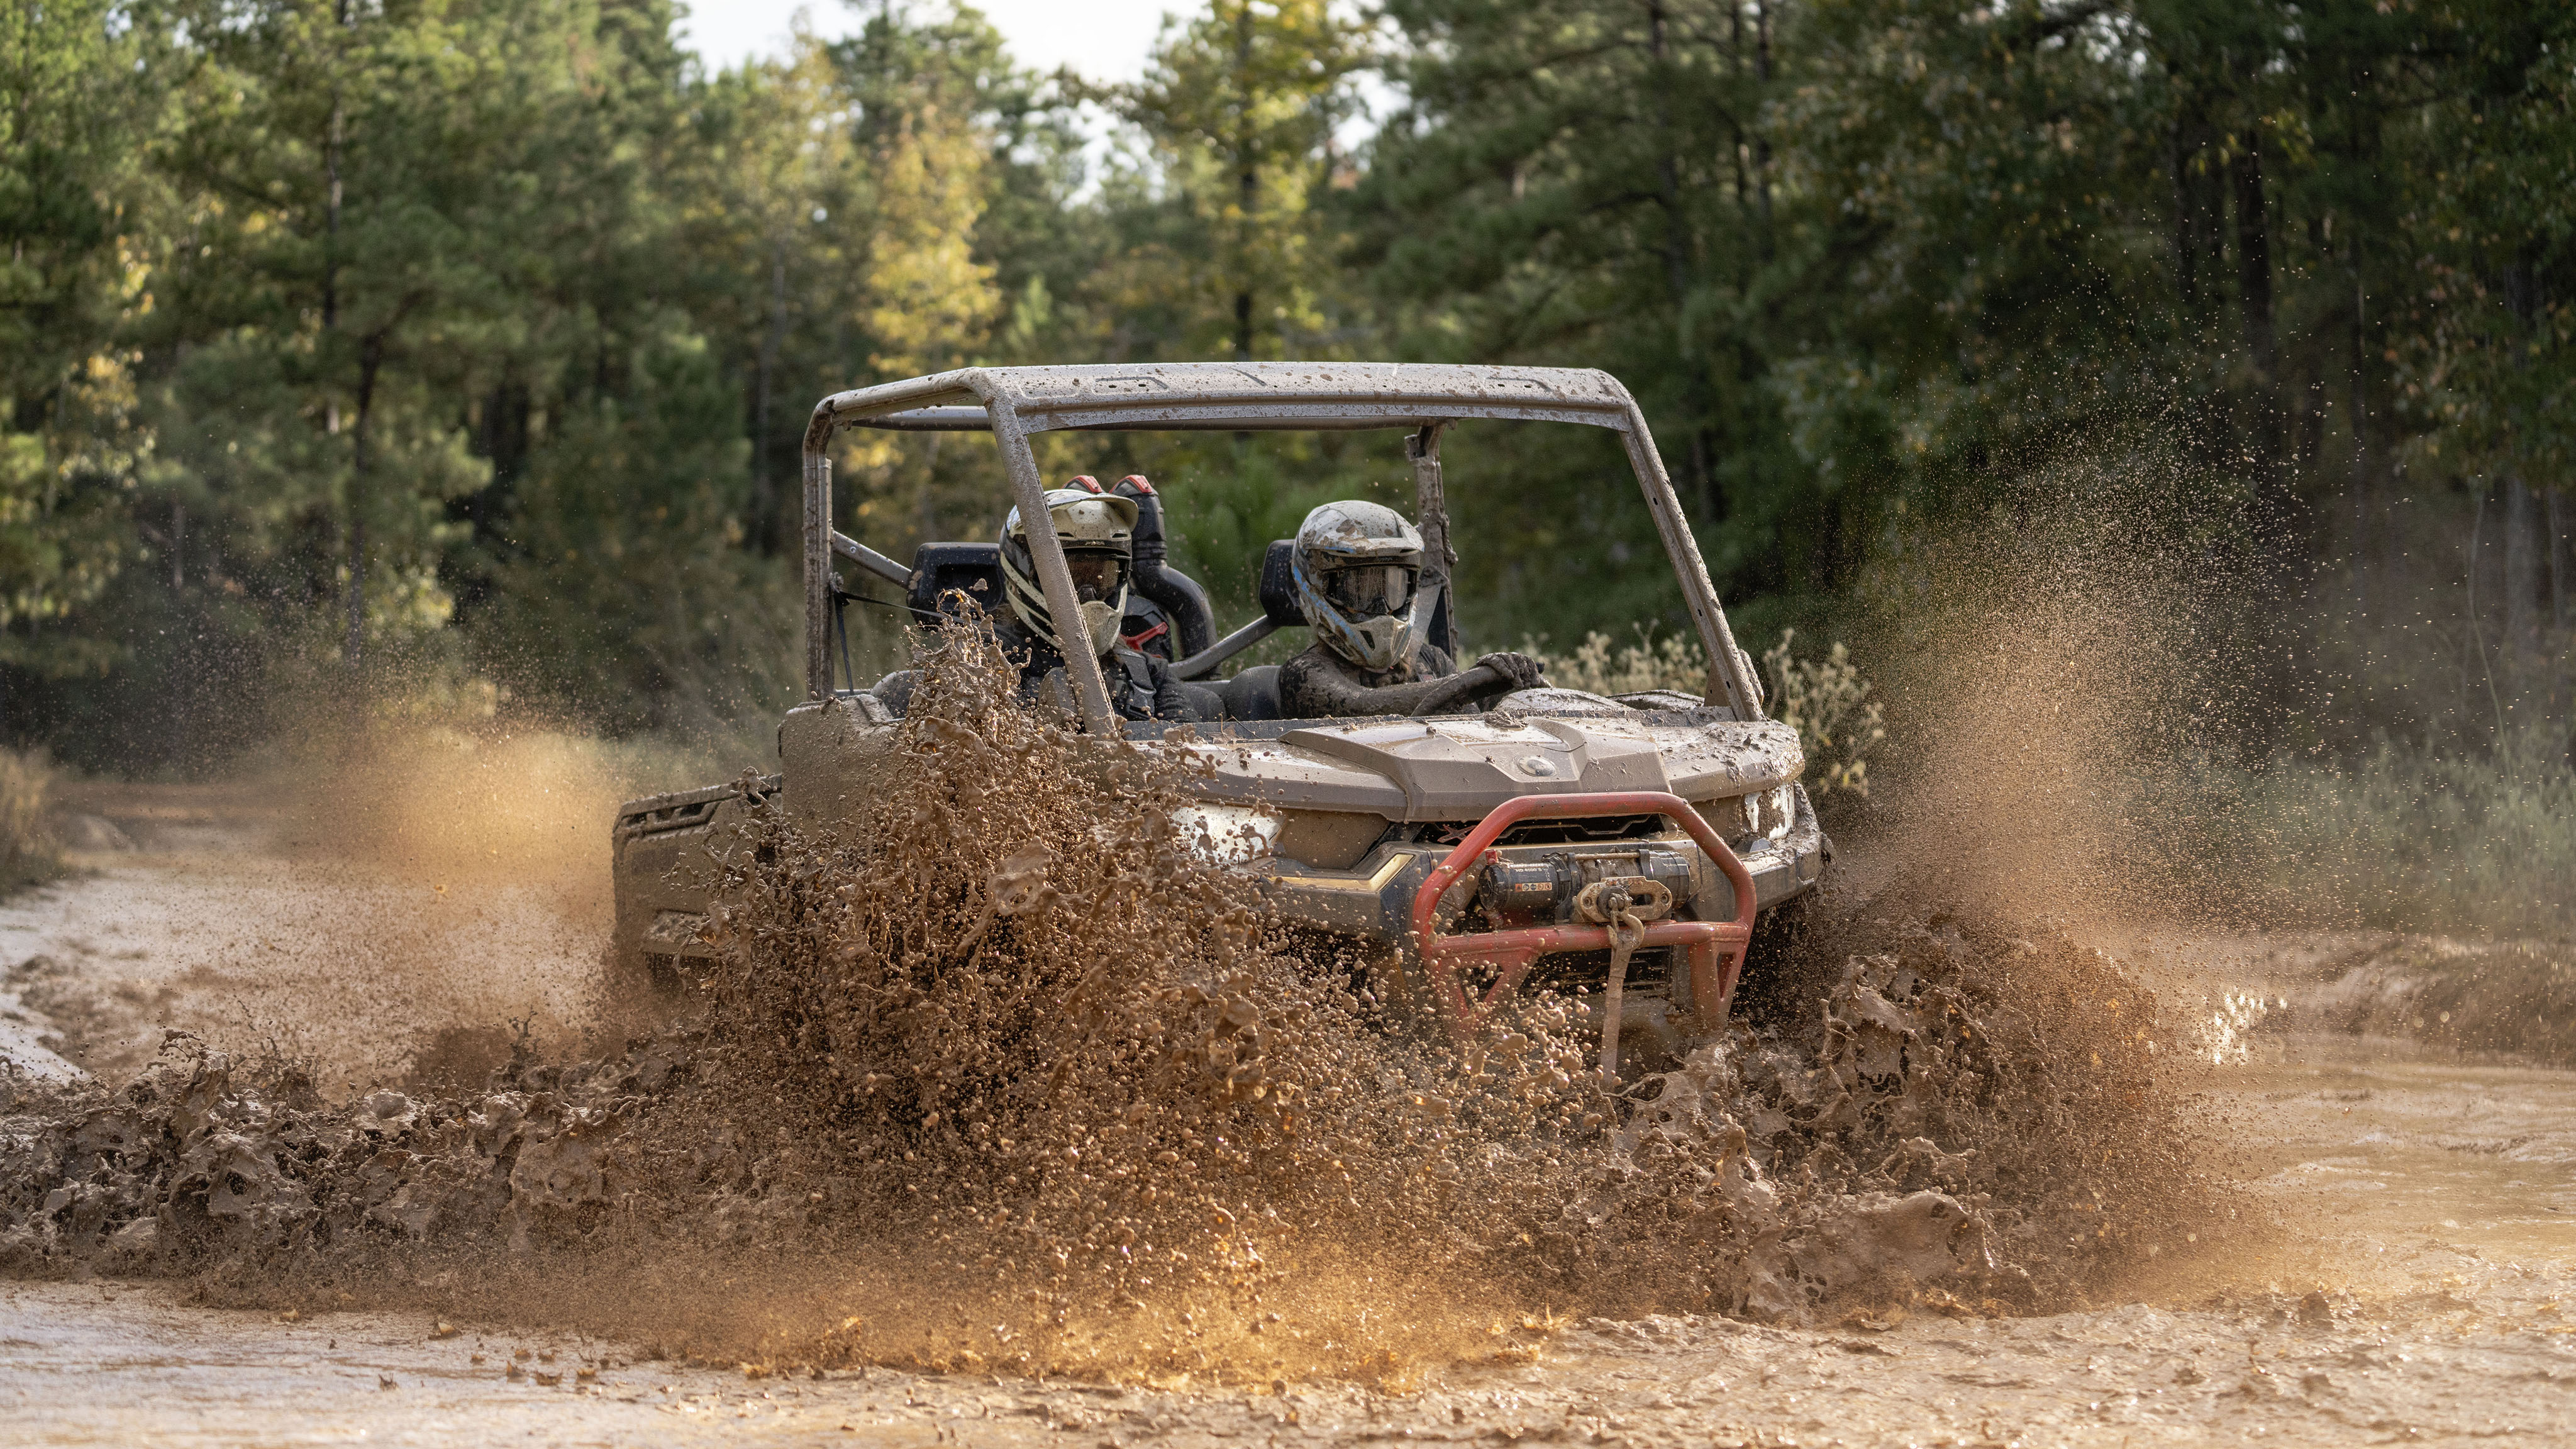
{"points": [[1103, 39]]}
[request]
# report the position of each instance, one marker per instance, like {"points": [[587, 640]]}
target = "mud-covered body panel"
{"points": [[667, 851], [1458, 768], [1395, 793]]}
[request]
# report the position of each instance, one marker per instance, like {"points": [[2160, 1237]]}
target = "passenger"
{"points": [[1098, 534], [1357, 566]]}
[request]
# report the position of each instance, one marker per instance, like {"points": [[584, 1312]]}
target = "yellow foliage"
{"points": [[928, 298], [1826, 700]]}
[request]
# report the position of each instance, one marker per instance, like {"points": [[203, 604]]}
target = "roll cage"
{"points": [[1014, 402]]}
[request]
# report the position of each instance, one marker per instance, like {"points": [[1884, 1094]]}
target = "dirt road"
{"points": [[2428, 1295]]}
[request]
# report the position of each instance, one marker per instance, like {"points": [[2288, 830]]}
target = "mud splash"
{"points": [[1014, 1077]]}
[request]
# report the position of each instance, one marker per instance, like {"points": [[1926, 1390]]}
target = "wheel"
{"points": [[1790, 961]]}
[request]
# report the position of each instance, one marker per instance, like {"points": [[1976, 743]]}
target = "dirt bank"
{"points": [[2512, 998]]}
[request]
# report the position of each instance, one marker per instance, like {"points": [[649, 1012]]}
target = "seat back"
{"points": [[1251, 694], [938, 569], [1279, 584]]}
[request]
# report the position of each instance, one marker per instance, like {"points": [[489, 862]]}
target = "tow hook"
{"points": [[1624, 905]]}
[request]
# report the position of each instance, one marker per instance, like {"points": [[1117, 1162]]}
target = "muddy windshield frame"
{"points": [[1014, 402]]}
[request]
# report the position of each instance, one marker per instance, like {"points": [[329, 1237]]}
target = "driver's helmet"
{"points": [[1098, 532], [1355, 566]]}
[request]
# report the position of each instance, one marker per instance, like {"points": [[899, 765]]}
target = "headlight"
{"points": [[1779, 811], [1227, 834]]}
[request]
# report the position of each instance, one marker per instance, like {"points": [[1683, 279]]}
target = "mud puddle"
{"points": [[901, 1106], [2431, 1297], [2386, 1141], [2429, 1302], [230, 918]]}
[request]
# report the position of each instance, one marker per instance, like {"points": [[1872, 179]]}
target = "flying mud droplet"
{"points": [[1013, 1069]]}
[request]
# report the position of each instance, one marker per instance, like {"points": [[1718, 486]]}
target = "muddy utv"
{"points": [[1467, 856]]}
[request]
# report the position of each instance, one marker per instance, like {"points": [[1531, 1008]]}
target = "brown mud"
{"points": [[1018, 1090], [2385, 1324], [1025, 1065]]}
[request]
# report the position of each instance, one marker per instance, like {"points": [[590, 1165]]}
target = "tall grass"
{"points": [[2411, 838], [1827, 701], [28, 851]]}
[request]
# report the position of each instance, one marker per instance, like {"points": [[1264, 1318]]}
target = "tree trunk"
{"points": [[765, 509], [1761, 143], [2186, 217], [2357, 407], [2522, 576], [1677, 258], [371, 357], [2480, 658], [501, 438], [2559, 558], [2254, 305], [2254, 260], [1247, 167]]}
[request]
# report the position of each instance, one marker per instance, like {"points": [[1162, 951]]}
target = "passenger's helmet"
{"points": [[1098, 532], [1356, 565]]}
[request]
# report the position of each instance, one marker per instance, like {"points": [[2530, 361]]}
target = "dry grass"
{"points": [[29, 853], [1828, 701], [2418, 839]]}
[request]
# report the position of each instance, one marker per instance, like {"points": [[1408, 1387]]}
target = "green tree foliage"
{"points": [[1866, 263], [1231, 254], [2487, 345], [69, 443], [1223, 242], [459, 345]]}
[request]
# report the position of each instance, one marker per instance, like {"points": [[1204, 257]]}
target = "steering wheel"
{"points": [[1470, 690]]}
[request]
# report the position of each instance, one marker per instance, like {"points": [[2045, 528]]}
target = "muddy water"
{"points": [[2428, 1296], [2381, 1141], [2423, 1295]]}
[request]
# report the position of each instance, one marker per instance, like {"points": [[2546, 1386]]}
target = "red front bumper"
{"points": [[1716, 947]]}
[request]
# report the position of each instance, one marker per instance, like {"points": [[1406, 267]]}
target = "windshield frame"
{"points": [[1013, 403]]}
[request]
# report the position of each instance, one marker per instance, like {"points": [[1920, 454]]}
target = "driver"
{"points": [[1356, 567], [1098, 533]]}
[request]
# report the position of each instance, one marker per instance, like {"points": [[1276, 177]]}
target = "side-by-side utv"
{"points": [[1469, 854]]}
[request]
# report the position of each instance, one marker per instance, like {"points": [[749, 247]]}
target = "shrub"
{"points": [[28, 850], [1827, 701], [2409, 837], [1674, 661]]}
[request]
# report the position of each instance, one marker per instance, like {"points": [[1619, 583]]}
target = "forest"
{"points": [[452, 355]]}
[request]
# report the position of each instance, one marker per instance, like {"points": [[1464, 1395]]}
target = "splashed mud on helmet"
{"points": [[1092, 527], [1355, 567]]}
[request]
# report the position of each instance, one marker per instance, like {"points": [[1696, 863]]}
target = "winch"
{"points": [[1551, 887]]}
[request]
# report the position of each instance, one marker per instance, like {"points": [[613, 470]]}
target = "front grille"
{"points": [[1553, 832], [662, 814], [1576, 973]]}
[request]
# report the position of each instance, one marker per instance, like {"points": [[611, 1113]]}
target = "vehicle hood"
{"points": [[1460, 768]]}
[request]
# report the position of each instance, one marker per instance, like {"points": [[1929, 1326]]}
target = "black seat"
{"points": [[1252, 693], [1278, 589], [942, 569]]}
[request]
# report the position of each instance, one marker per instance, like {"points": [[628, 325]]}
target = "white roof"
{"points": [[1232, 396]]}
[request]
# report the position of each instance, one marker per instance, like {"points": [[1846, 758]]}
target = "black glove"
{"points": [[1519, 671]]}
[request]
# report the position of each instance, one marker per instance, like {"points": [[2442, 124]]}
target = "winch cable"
{"points": [[1627, 932]]}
